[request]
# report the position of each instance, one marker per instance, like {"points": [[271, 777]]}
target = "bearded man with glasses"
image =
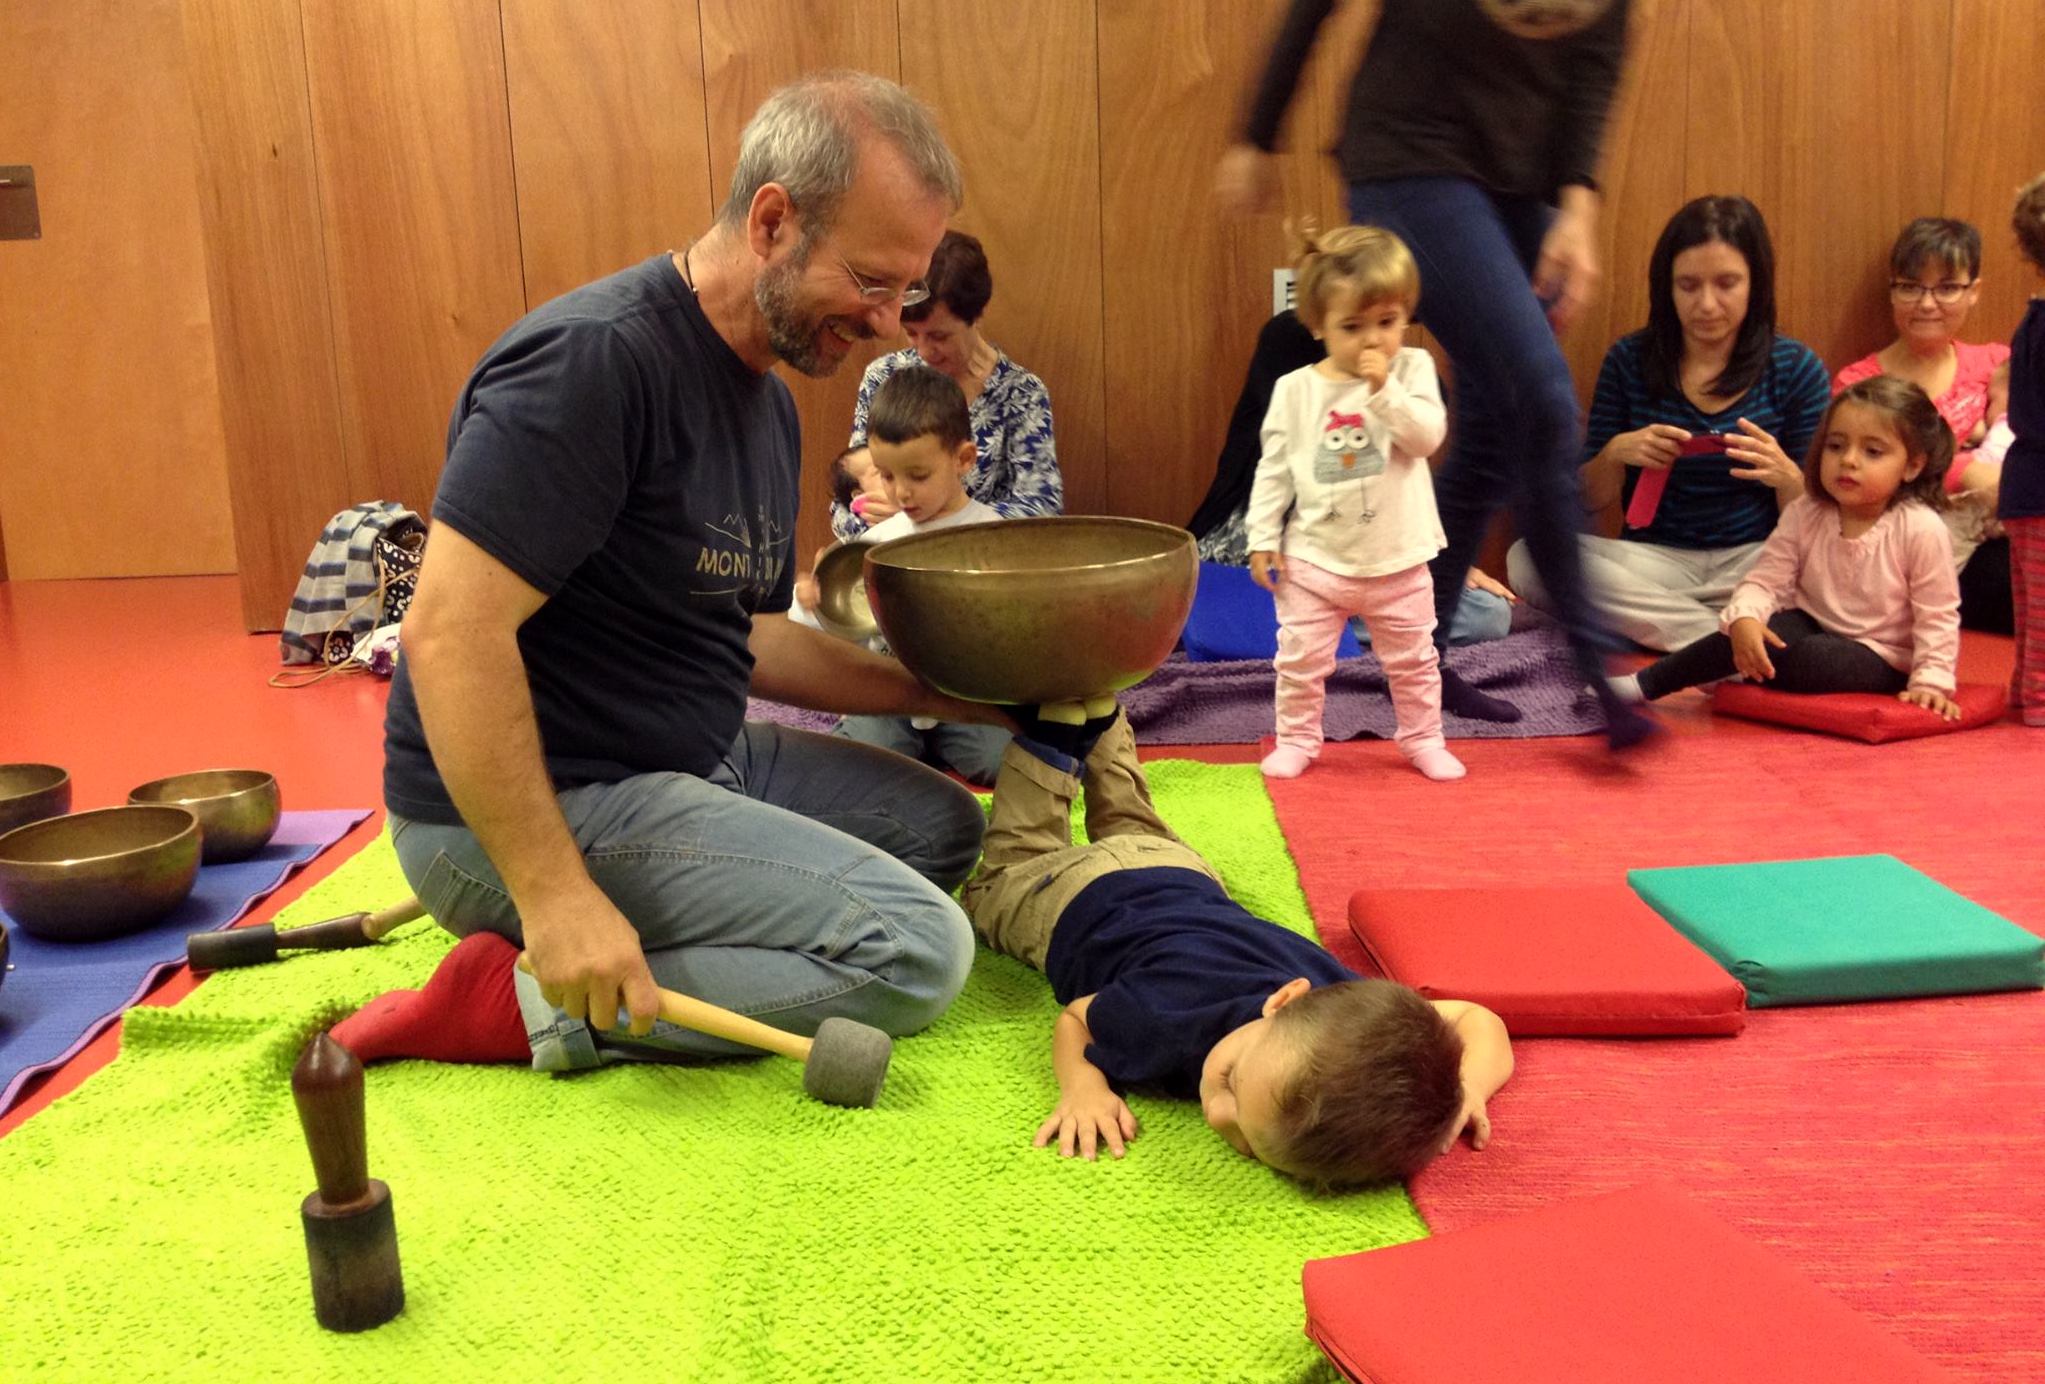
{"points": [[568, 765]]}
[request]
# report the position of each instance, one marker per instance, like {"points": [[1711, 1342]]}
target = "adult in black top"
{"points": [[1473, 134], [567, 758]]}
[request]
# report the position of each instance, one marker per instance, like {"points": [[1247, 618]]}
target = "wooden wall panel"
{"points": [[1800, 107], [111, 451], [1033, 185], [608, 135], [266, 264], [1172, 78], [750, 47], [1995, 143], [420, 220]]}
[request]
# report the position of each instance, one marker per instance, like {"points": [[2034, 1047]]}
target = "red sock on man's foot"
{"points": [[468, 1011]]}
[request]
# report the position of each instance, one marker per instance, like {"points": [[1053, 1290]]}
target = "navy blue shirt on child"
{"points": [[613, 451], [1174, 965]]}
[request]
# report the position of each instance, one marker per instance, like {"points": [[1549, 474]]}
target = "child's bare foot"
{"points": [[1439, 765], [468, 1011], [1287, 761]]}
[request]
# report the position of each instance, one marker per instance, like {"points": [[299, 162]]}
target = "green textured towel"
{"points": [[691, 1223]]}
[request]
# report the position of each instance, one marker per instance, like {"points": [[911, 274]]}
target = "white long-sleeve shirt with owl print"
{"points": [[1343, 481]]}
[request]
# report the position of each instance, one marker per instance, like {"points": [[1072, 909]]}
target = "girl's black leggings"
{"points": [[1815, 660]]}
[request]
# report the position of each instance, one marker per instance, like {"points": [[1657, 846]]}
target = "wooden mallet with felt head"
{"points": [[257, 946], [845, 1064]]}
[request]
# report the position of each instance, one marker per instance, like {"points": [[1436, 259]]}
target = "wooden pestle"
{"points": [[351, 1237]]}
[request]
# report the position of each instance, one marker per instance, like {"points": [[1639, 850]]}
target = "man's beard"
{"points": [[792, 334]]}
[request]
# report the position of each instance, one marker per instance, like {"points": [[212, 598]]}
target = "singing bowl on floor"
{"points": [[1034, 610], [31, 792], [237, 808], [95, 875]]}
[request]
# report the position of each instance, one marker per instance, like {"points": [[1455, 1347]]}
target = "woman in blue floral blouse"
{"points": [[1017, 473]]}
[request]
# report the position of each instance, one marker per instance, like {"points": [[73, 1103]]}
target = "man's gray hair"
{"points": [[806, 137]]}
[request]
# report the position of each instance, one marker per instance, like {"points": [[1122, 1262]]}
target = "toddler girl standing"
{"points": [[1341, 518], [1854, 591], [2022, 503]]}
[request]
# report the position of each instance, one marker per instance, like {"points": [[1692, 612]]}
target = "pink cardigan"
{"points": [[1965, 402], [1892, 589]]}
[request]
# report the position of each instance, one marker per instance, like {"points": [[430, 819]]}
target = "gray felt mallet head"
{"points": [[847, 1063]]}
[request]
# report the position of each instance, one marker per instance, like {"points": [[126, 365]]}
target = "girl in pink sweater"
{"points": [[1854, 591]]}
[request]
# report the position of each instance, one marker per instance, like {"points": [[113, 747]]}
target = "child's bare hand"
{"points": [[1471, 1117], [1081, 1124], [1372, 366], [1267, 569], [1751, 642], [1931, 699]]}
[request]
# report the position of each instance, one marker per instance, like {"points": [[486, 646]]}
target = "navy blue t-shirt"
{"points": [[613, 451], [1174, 965], [1705, 505], [2023, 469]]}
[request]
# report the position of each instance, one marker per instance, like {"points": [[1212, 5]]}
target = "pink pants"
{"points": [[2027, 594], [1313, 606]]}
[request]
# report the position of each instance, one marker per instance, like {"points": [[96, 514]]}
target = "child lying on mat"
{"points": [[1166, 981]]}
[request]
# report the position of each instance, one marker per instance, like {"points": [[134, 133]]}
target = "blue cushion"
{"points": [[1234, 618], [1857, 927]]}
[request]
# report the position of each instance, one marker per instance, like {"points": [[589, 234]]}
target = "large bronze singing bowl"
{"points": [[1034, 610], [237, 808], [31, 792], [95, 875]]}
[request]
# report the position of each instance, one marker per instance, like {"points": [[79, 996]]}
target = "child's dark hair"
{"points": [[1377, 1086], [1918, 424], [1947, 242], [844, 485], [2028, 220], [917, 401], [959, 279], [1737, 222]]}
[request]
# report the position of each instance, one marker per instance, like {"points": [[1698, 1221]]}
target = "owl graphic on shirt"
{"points": [[1346, 452]]}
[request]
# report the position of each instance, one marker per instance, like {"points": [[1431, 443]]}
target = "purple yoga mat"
{"points": [[1229, 703], [1186, 703], [59, 996]]}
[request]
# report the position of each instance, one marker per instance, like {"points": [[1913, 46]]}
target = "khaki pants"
{"points": [[1030, 870]]}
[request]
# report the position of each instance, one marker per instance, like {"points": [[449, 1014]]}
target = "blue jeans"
{"points": [[804, 877], [973, 751], [1514, 434]]}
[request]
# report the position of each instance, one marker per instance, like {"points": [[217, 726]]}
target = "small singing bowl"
{"points": [[237, 808], [31, 792], [842, 607], [95, 875], [1034, 610]]}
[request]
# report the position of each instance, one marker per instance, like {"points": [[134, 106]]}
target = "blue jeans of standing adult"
{"points": [[1514, 434], [803, 877]]}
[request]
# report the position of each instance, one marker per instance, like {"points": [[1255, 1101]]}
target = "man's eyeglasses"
{"points": [[880, 295], [1945, 294]]}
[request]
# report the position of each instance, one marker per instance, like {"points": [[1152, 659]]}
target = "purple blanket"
{"points": [[1187, 703]]}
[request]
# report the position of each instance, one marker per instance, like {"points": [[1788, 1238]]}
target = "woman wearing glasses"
{"points": [[1934, 280], [1017, 473], [1697, 430]]}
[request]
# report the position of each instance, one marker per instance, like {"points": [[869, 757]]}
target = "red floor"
{"points": [[121, 682]]}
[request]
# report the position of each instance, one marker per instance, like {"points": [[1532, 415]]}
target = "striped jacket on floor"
{"points": [[339, 577]]}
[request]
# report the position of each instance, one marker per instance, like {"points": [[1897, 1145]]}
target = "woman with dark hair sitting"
{"points": [[1697, 427], [1934, 280], [1017, 473]]}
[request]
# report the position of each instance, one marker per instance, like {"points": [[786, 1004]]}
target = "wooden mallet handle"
{"points": [[704, 1017]]}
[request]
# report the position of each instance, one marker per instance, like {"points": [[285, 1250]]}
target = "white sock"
{"points": [[1287, 761], [1626, 687], [1439, 765]]}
